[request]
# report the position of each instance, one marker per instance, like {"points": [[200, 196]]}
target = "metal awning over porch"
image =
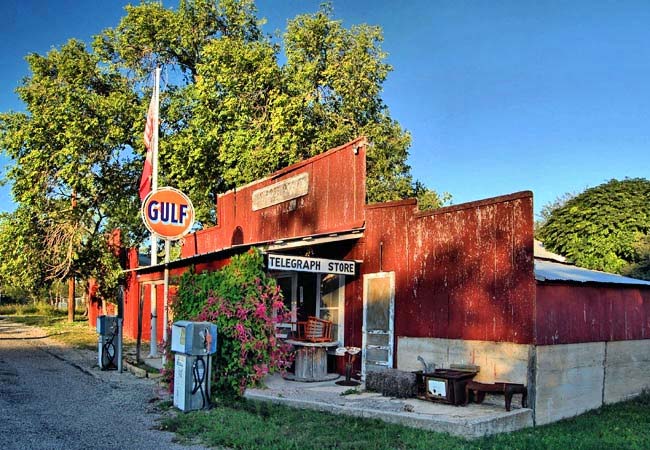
{"points": [[277, 245]]}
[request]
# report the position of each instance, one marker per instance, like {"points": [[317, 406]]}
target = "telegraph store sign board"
{"points": [[304, 264], [168, 213]]}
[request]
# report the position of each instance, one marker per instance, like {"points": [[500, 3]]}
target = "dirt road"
{"points": [[55, 397]]}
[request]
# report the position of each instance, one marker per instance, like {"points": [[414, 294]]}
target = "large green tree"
{"points": [[233, 109], [604, 228], [236, 113], [73, 173], [22, 249]]}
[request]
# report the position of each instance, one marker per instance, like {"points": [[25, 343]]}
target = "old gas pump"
{"points": [[109, 343], [193, 343]]}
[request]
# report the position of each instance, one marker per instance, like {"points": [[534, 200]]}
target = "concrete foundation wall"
{"points": [[566, 380], [499, 361], [569, 380], [627, 370], [574, 378]]}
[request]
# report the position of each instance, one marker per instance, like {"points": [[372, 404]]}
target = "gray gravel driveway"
{"points": [[55, 397]]}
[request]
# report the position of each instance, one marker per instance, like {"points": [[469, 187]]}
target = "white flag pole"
{"points": [[166, 297], [153, 352]]}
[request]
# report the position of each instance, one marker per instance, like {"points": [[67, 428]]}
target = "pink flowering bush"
{"points": [[245, 303]]}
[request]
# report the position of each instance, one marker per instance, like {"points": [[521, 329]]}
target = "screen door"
{"points": [[378, 307]]}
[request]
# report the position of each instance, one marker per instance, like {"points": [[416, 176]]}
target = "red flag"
{"points": [[147, 170]]}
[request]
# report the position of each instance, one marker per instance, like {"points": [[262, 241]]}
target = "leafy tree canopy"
{"points": [[231, 113], [73, 173], [238, 114], [604, 228], [22, 247]]}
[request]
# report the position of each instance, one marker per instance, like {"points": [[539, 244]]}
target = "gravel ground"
{"points": [[55, 397]]}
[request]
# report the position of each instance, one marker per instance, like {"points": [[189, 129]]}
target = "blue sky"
{"points": [[548, 96]]}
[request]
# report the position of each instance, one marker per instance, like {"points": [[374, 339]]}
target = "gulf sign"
{"points": [[168, 213]]}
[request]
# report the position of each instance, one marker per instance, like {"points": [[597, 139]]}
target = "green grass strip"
{"points": [[260, 425]]}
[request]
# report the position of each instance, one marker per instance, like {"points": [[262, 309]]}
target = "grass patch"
{"points": [[77, 334], [352, 391], [165, 405], [142, 365], [54, 323], [30, 309], [253, 424]]}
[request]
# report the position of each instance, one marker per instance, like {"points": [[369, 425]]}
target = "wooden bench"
{"points": [[508, 389]]}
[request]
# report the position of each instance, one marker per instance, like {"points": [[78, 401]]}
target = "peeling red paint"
{"points": [[463, 272], [570, 313], [335, 202]]}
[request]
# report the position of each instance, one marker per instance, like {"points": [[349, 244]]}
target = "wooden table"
{"points": [[311, 361]]}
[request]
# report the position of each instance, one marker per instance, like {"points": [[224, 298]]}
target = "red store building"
{"points": [[456, 285]]}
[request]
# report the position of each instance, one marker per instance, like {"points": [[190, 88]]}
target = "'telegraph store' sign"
{"points": [[305, 264]]}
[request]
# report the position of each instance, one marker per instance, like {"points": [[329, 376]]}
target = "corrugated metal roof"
{"points": [[554, 271], [541, 252]]}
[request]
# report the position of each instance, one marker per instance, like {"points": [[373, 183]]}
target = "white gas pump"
{"points": [[109, 342], [193, 343]]}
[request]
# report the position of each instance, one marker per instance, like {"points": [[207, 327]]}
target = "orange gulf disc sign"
{"points": [[168, 213]]}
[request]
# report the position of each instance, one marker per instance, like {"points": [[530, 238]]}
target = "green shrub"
{"points": [[245, 304], [25, 310], [8, 310], [45, 309]]}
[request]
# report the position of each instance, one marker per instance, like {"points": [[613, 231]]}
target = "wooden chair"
{"points": [[314, 329]]}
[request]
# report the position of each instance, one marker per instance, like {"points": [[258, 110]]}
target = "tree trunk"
{"points": [[71, 296], [71, 284]]}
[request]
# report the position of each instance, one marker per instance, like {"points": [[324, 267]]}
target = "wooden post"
{"points": [[71, 302], [139, 336]]}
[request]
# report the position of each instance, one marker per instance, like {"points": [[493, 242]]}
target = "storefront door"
{"points": [[378, 307]]}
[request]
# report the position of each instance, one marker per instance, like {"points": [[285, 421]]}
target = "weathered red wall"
{"points": [[136, 282], [462, 272], [335, 202], [570, 313]]}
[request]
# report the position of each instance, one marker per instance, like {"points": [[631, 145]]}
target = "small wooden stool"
{"points": [[508, 389]]}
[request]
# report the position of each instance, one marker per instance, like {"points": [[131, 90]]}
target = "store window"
{"points": [[331, 302], [309, 294]]}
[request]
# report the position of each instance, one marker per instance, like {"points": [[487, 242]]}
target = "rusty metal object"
{"points": [[478, 390], [446, 385]]}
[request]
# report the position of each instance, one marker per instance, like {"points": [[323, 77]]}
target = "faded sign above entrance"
{"points": [[281, 191], [305, 264]]}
